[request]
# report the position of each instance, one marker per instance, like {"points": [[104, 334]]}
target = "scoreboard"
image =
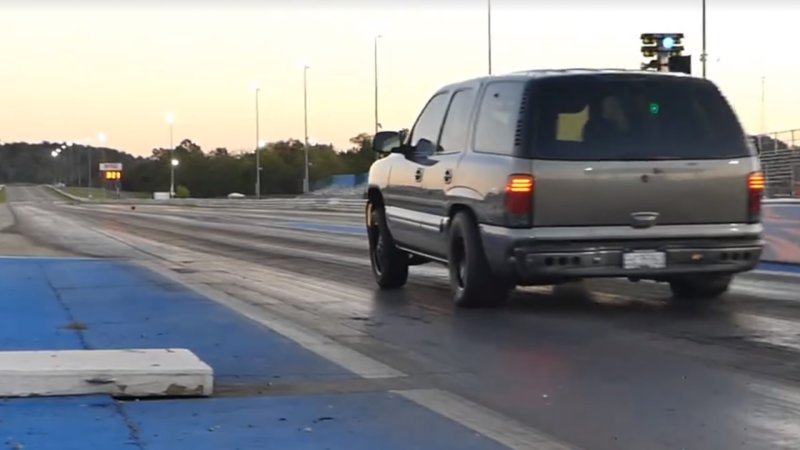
{"points": [[111, 174]]}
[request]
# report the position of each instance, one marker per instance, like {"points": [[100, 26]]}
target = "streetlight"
{"points": [[66, 169], [55, 154], [305, 127], [173, 164], [258, 147], [377, 124]]}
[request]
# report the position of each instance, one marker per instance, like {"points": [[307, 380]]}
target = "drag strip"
{"points": [[607, 366]]}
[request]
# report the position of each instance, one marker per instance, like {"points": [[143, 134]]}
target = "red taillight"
{"points": [[519, 198], [755, 190]]}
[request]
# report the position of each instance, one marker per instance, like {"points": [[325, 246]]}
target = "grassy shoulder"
{"points": [[2, 196]]}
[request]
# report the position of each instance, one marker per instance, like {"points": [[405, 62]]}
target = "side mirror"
{"points": [[386, 141]]}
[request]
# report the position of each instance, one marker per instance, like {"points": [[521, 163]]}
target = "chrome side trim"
{"points": [[421, 219]]}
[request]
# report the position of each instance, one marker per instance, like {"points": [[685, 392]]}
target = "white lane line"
{"points": [[771, 290], [769, 330], [775, 273], [484, 421], [776, 418], [329, 349]]}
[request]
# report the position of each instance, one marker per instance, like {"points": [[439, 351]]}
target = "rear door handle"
{"points": [[418, 174], [448, 176]]}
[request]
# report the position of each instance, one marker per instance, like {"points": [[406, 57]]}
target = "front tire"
{"points": [[471, 278], [389, 263], [700, 288]]}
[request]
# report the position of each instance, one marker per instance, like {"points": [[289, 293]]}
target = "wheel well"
{"points": [[374, 196], [457, 208]]}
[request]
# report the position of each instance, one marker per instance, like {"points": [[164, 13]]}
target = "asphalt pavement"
{"points": [[603, 365]]}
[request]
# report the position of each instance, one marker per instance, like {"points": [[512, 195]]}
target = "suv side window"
{"points": [[429, 122], [497, 117], [456, 124]]}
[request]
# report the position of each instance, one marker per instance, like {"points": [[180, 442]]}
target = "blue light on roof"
{"points": [[668, 42]]}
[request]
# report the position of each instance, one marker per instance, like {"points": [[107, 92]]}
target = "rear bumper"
{"points": [[552, 254]]}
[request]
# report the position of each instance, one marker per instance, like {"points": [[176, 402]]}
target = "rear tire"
{"points": [[389, 263], [700, 288], [471, 278]]}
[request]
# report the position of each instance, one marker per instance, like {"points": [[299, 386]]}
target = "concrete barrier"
{"points": [[127, 373]]}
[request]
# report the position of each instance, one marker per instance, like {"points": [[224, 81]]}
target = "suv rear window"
{"points": [[633, 117]]}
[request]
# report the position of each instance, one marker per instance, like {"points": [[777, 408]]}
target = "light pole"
{"points": [[489, 31], [173, 164], [55, 154], [170, 122], [377, 124], [704, 55], [258, 150], [305, 128], [65, 169]]}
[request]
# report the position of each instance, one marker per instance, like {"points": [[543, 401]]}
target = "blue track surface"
{"points": [[365, 421], [371, 421], [123, 306], [777, 267], [64, 424], [31, 317]]}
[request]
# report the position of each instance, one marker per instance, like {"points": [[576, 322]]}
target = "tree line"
{"points": [[203, 174]]}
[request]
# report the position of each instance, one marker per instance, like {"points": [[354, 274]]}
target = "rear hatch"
{"points": [[636, 150]]}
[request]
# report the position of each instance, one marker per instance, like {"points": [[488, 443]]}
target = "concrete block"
{"points": [[121, 373]]}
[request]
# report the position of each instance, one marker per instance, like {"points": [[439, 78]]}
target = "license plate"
{"points": [[644, 260]]}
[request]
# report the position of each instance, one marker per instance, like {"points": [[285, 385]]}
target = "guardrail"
{"points": [[780, 160]]}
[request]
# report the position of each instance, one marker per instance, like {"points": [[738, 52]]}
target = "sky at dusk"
{"points": [[71, 70]]}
